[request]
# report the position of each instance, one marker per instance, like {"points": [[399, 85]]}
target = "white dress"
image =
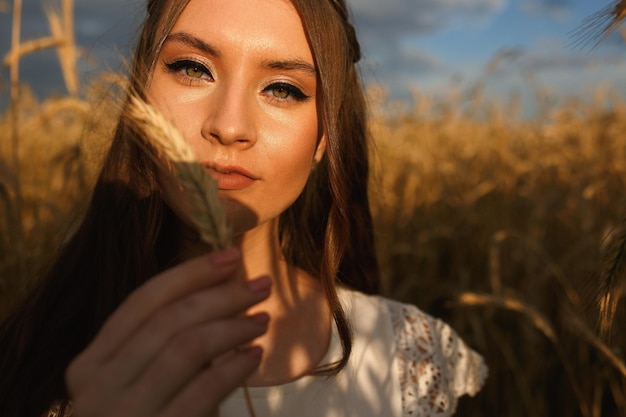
{"points": [[403, 363]]}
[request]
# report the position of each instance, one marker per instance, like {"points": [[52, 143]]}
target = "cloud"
{"points": [[399, 17], [388, 29], [550, 59], [402, 69], [395, 64], [558, 9], [563, 62]]}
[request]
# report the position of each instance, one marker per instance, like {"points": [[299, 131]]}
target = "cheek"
{"points": [[292, 148], [180, 109]]}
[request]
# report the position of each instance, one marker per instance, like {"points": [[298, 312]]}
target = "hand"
{"points": [[177, 346]]}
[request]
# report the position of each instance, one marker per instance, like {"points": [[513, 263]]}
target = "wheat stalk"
{"points": [[579, 327], [62, 29], [170, 147], [540, 322]]}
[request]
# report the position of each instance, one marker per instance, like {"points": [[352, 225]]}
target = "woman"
{"points": [[138, 320]]}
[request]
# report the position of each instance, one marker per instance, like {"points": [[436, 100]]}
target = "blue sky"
{"points": [[409, 45]]}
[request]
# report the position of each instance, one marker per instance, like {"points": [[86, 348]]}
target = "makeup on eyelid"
{"points": [[197, 71]]}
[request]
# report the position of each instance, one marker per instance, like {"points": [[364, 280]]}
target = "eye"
{"points": [[190, 69], [285, 91], [280, 92], [194, 72]]}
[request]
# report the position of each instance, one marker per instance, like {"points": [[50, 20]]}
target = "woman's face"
{"points": [[238, 79]]}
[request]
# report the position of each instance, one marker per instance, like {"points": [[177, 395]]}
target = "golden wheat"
{"points": [[513, 304], [612, 279], [62, 29], [167, 146]]}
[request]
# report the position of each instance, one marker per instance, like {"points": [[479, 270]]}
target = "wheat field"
{"points": [[512, 230]]}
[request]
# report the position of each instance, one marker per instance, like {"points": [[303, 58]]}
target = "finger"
{"points": [[170, 285], [186, 356], [221, 301], [202, 396]]}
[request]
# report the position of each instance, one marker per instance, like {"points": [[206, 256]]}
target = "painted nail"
{"points": [[260, 284], [254, 351], [261, 318]]}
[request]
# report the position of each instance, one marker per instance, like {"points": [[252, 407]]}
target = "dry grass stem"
{"points": [[581, 329], [62, 28], [509, 303], [172, 149], [29, 47]]}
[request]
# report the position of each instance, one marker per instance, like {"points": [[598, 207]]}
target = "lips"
{"points": [[231, 177]]}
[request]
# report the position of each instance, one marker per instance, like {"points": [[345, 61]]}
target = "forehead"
{"points": [[258, 24]]}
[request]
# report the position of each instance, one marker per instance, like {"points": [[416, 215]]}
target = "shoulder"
{"points": [[436, 366]]}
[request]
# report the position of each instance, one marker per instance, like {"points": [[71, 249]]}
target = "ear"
{"points": [[320, 150]]}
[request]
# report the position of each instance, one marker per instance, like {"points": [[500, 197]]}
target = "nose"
{"points": [[230, 118]]}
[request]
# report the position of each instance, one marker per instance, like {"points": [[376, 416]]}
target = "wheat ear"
{"points": [[598, 26], [168, 145], [612, 279]]}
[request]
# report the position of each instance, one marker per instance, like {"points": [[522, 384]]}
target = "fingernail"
{"points": [[261, 318], [225, 257], [254, 351], [260, 284]]}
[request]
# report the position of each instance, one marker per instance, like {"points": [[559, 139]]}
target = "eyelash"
{"points": [[293, 91], [176, 67]]}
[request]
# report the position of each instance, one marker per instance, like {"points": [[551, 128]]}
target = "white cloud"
{"points": [[396, 17], [558, 9], [387, 31]]}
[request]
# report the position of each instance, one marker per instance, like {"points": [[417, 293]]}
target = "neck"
{"points": [[299, 331]]}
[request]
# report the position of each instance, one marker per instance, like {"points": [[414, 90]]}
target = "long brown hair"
{"points": [[128, 234]]}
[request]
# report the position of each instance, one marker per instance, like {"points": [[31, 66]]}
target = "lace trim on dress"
{"points": [[436, 366], [55, 411]]}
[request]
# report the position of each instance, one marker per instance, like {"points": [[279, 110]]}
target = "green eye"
{"points": [[285, 92], [280, 92], [189, 69], [194, 72]]}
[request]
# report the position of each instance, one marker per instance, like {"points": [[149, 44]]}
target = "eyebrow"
{"points": [[291, 65], [199, 44], [193, 42]]}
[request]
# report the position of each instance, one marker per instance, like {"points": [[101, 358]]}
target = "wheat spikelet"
{"points": [[169, 146], [612, 279], [597, 27]]}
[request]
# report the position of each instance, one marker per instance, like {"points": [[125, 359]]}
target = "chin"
{"points": [[240, 217]]}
